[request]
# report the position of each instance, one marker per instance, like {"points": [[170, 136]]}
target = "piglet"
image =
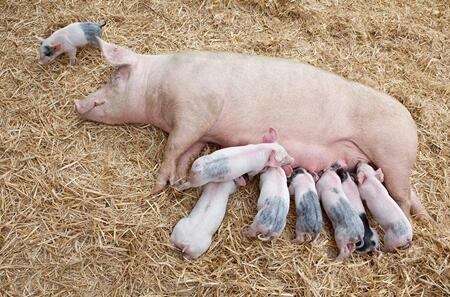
{"points": [[193, 234], [348, 227], [67, 40], [273, 205], [309, 214], [233, 162], [397, 229], [371, 240]]}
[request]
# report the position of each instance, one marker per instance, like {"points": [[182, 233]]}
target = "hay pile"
{"points": [[76, 214]]}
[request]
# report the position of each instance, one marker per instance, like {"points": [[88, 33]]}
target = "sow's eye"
{"points": [[115, 78]]}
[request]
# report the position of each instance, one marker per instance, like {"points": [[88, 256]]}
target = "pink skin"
{"points": [[231, 99], [194, 233], [346, 232], [398, 231], [64, 40], [273, 205], [233, 162]]}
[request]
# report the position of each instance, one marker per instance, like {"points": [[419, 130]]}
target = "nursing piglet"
{"points": [[193, 234], [348, 227], [309, 214], [371, 240], [67, 39], [397, 229], [273, 205], [233, 162]]}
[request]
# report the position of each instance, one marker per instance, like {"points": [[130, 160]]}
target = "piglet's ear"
{"points": [[379, 175], [116, 55], [361, 178], [273, 161], [57, 47], [270, 136], [288, 170], [315, 176]]}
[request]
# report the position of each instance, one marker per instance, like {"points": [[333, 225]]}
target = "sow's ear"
{"points": [[270, 136], [116, 55]]}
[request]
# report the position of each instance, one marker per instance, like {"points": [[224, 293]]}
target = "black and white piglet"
{"points": [[371, 240], [67, 40], [348, 228], [309, 214]]}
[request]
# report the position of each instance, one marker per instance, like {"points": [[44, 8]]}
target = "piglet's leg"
{"points": [[240, 181], [299, 239], [344, 251], [72, 52]]}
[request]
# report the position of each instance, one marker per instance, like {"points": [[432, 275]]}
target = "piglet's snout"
{"points": [[76, 104]]}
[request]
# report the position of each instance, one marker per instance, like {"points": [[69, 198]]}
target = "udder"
{"points": [[317, 157]]}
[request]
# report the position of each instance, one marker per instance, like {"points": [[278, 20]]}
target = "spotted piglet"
{"points": [[309, 214], [348, 227], [193, 234], [397, 229], [233, 162], [67, 40], [371, 240], [273, 205]]}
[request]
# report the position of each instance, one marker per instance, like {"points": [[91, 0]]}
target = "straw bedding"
{"points": [[76, 214]]}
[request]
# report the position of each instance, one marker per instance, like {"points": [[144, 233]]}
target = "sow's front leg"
{"points": [[185, 160], [180, 139], [191, 121]]}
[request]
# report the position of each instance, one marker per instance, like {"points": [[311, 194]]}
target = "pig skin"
{"points": [[231, 99]]}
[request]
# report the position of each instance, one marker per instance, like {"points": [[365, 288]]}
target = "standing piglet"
{"points": [[309, 214], [233, 162], [273, 205], [348, 227], [67, 40], [397, 229], [193, 234], [371, 240]]}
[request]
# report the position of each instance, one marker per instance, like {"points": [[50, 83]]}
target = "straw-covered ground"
{"points": [[76, 214]]}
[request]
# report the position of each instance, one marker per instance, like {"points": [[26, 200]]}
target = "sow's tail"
{"points": [[102, 24]]}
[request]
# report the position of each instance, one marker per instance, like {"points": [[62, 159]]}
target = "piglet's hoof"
{"points": [[181, 185], [157, 187]]}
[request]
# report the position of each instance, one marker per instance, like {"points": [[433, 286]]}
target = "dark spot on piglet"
{"points": [[346, 221], [91, 31], [309, 214], [368, 243], [343, 175], [273, 215], [47, 51], [400, 228], [215, 167]]}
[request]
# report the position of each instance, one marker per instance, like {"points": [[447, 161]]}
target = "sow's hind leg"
{"points": [[395, 153]]}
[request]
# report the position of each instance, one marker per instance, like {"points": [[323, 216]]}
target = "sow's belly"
{"points": [[311, 155]]}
